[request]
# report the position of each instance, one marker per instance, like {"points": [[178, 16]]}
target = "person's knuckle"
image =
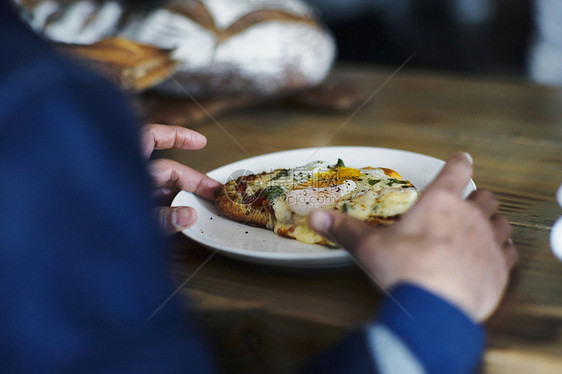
{"points": [[505, 222], [441, 199], [488, 197]]}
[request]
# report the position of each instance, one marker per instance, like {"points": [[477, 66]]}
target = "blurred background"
{"points": [[499, 38], [491, 37]]}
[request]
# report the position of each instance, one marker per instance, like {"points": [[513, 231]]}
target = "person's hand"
{"points": [[171, 176], [458, 249]]}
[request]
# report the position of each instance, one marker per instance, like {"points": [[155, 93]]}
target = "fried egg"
{"points": [[364, 193], [303, 200]]}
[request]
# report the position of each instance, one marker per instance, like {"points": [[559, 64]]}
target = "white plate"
{"points": [[263, 246]]}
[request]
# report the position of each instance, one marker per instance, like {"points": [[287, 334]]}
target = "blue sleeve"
{"points": [[81, 262], [414, 332], [444, 339], [351, 356]]}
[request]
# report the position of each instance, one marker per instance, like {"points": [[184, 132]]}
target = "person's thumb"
{"points": [[346, 231], [175, 219]]}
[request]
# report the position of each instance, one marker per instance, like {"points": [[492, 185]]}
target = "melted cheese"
{"points": [[362, 193], [379, 202]]}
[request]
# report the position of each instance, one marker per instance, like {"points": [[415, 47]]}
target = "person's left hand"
{"points": [[170, 176]]}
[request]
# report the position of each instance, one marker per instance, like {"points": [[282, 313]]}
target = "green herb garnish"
{"points": [[273, 192], [398, 181], [282, 173], [339, 164], [372, 182]]}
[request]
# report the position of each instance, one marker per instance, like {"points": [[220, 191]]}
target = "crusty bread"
{"points": [[135, 67], [232, 201], [223, 47]]}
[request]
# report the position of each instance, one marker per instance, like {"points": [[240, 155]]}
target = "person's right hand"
{"points": [[458, 249]]}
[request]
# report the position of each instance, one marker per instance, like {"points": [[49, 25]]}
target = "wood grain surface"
{"points": [[269, 320]]}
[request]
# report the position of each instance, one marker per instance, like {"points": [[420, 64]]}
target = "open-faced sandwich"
{"points": [[280, 200]]}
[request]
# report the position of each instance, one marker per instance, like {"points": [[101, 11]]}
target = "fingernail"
{"points": [[182, 217], [468, 157], [321, 220]]}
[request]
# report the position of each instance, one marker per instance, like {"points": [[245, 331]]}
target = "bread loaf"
{"points": [[223, 47], [133, 66]]}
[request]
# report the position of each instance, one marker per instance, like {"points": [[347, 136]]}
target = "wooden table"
{"points": [[264, 319]]}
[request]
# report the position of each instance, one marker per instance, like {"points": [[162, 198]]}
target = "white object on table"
{"points": [[556, 231]]}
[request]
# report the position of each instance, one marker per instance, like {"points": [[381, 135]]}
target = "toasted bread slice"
{"points": [[281, 200], [234, 201]]}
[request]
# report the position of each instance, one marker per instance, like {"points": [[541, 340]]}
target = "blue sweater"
{"points": [[82, 265]]}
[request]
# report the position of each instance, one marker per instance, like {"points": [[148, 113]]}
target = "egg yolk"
{"points": [[339, 175], [330, 178], [391, 173]]}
